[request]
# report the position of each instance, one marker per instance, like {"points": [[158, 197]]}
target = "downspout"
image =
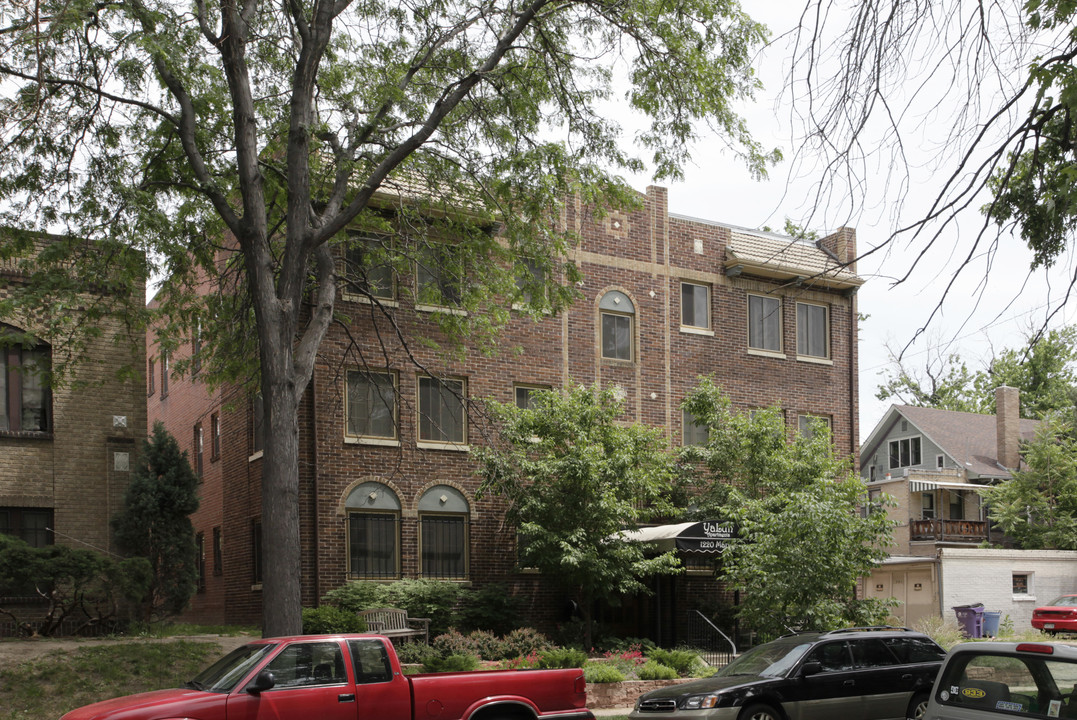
{"points": [[314, 488], [854, 322]]}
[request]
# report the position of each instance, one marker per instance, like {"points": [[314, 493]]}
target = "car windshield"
{"points": [[773, 659], [225, 674], [1065, 601]]}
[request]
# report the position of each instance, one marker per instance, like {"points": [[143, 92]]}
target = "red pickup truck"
{"points": [[358, 677]]}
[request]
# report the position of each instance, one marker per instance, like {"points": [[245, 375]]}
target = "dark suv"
{"points": [[877, 673]]}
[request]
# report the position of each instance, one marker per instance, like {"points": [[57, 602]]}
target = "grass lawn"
{"points": [[46, 688]]}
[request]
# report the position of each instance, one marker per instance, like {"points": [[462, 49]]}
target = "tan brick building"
{"points": [[66, 453], [386, 481]]}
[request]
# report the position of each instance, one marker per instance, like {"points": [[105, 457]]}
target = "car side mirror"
{"points": [[263, 681], [810, 668]]}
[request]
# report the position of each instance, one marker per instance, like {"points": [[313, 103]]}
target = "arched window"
{"points": [[617, 315], [444, 516], [25, 400], [373, 531]]}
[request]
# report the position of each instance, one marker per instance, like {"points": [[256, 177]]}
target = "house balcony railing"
{"points": [[952, 530]]}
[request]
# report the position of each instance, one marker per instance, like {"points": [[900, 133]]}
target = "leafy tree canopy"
{"points": [[574, 476], [1043, 370], [803, 544], [237, 140]]}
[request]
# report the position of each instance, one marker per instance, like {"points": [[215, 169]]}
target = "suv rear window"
{"points": [[1037, 686], [916, 650]]}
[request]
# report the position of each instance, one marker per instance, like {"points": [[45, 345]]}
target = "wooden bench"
{"points": [[394, 622]]}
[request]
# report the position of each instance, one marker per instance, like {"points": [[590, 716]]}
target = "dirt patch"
{"points": [[13, 652]]}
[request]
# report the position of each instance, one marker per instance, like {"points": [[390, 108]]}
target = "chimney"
{"points": [[1008, 426], [842, 244]]}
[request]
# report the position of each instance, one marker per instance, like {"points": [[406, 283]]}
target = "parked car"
{"points": [[333, 677], [877, 673], [999, 680], [1060, 615]]}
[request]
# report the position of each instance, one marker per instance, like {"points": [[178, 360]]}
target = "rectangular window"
{"points": [[442, 418], [871, 473], [805, 424], [369, 271], [31, 525], [197, 449], [444, 546], [692, 432], [1022, 583], [372, 545], [957, 505], [200, 560], [214, 436], [256, 552], [439, 276], [530, 277], [218, 552], [151, 379], [695, 305], [927, 506], [164, 374], [371, 409], [764, 323], [940, 461], [904, 452], [525, 395], [25, 399], [813, 330], [616, 336]]}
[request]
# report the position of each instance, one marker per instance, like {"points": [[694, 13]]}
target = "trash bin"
{"points": [[971, 619], [991, 623]]}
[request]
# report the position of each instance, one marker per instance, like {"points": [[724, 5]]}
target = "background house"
{"points": [[386, 480]]}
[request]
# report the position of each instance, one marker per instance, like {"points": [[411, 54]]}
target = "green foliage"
{"points": [[416, 652], [944, 631], [359, 595], [601, 672], [1038, 507], [154, 522], [525, 641], [562, 658], [573, 475], [328, 619], [81, 586], [432, 599], [684, 662], [652, 670], [802, 544], [491, 608], [451, 663]]}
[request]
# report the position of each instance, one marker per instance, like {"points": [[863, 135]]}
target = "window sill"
{"points": [[255, 456], [618, 362], [691, 330], [766, 353], [381, 442], [1024, 598], [26, 434], [452, 447], [256, 587], [519, 307], [814, 360], [441, 309], [386, 302]]}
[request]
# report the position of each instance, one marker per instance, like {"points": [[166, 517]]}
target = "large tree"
{"points": [[574, 476], [237, 140], [803, 545]]}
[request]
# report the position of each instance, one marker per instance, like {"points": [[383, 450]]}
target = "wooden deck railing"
{"points": [[939, 529]]}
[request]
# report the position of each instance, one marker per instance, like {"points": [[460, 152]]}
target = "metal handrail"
{"points": [[707, 623]]}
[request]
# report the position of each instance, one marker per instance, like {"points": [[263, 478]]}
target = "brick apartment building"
{"points": [[386, 481], [66, 453]]}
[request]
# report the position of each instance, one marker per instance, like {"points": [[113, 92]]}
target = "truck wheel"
{"points": [[759, 711], [917, 707]]}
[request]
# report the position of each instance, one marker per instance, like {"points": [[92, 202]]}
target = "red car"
{"points": [[347, 677], [1059, 616]]}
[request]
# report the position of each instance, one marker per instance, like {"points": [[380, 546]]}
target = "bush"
{"points": [[489, 608], [451, 663], [943, 631], [359, 595], [452, 642], [330, 620], [602, 672], [487, 645], [685, 662], [562, 658], [416, 653], [652, 670], [434, 599], [525, 641]]}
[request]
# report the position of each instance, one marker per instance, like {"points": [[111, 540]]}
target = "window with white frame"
{"points": [[808, 425], [695, 306], [371, 404], [813, 330], [940, 461], [368, 268], [442, 413], [373, 532], [25, 400], [439, 276], [1022, 583], [693, 432], [905, 452], [444, 517], [765, 323], [927, 506], [617, 315]]}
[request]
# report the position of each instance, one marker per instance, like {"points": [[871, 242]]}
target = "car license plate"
{"points": [[1048, 626]]}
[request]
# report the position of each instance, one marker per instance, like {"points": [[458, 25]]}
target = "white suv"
{"points": [[997, 680]]}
